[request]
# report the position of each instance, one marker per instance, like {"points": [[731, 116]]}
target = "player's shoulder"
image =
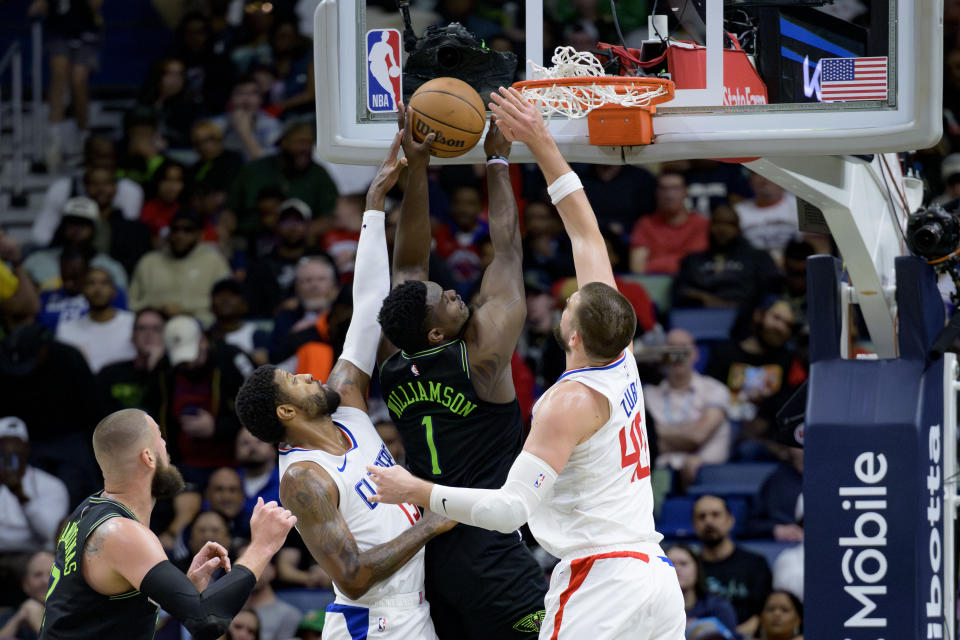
{"points": [[351, 417], [572, 397]]}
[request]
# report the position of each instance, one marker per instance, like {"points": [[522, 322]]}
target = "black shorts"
{"points": [[483, 585]]}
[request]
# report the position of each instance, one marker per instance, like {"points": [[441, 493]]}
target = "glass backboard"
{"points": [[754, 77]]}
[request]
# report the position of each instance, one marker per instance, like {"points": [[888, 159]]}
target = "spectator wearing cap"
{"points": [[32, 502], [178, 278], [270, 279], [78, 225], [124, 384], [950, 175], [247, 128], [199, 380], [99, 153], [104, 334], [229, 305], [311, 627], [293, 167]]}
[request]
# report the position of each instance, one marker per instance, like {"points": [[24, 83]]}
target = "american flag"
{"points": [[853, 79]]}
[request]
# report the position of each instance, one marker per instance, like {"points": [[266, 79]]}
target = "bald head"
{"points": [[120, 437], [680, 338]]}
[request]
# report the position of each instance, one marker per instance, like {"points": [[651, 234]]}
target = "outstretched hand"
{"points": [[418, 153], [496, 144], [517, 118], [387, 175]]}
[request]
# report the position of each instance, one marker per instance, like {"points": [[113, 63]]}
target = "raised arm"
{"points": [[411, 247], [568, 416], [371, 284], [128, 555], [521, 122], [502, 308], [309, 492]]}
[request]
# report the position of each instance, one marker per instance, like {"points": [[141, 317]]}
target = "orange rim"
{"points": [[618, 82]]}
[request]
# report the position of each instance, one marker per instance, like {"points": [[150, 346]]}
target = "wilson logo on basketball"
{"points": [[424, 130]]}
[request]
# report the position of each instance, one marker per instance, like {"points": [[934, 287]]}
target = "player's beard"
{"points": [[324, 403], [558, 336], [167, 482]]}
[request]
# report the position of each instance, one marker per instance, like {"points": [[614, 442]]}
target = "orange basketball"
{"points": [[451, 109]]}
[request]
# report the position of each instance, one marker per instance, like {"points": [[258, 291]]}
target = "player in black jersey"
{"points": [[447, 382], [110, 572]]}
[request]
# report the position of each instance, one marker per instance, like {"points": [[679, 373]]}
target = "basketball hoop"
{"points": [[618, 108]]}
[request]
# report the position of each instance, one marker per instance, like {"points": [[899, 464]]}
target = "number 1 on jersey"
{"points": [[434, 461]]}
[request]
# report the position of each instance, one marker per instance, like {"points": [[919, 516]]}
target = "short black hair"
{"points": [[403, 314], [257, 402]]}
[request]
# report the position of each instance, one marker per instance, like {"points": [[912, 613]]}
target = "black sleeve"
{"points": [[205, 615]]}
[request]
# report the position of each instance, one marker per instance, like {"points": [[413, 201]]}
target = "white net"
{"points": [[578, 101]]}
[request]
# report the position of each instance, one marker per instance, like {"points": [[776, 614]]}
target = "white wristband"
{"points": [[564, 186]]}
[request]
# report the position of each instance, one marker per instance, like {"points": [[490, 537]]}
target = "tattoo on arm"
{"points": [[486, 373], [332, 545], [95, 541], [350, 382]]}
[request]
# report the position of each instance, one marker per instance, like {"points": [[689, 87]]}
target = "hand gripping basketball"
{"points": [[417, 153]]}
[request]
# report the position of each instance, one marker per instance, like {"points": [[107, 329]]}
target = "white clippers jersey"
{"points": [[603, 496], [369, 522]]}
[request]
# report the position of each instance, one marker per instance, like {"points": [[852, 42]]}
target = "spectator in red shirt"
{"points": [[661, 240], [457, 243], [340, 243], [166, 198]]}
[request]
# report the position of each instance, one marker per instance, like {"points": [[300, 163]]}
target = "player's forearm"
{"points": [[256, 558], [549, 158], [382, 561], [504, 216], [411, 250], [371, 284]]}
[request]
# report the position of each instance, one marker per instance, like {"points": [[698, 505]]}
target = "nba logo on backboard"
{"points": [[383, 70]]}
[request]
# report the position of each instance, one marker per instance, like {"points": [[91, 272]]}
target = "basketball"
{"points": [[451, 109]]}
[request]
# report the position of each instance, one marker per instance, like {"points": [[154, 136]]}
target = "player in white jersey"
{"points": [[582, 480], [373, 552]]}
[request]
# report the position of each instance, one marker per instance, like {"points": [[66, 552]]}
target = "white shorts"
{"points": [[401, 618], [615, 593]]}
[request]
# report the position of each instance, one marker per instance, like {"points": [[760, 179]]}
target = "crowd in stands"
{"points": [[206, 238]]}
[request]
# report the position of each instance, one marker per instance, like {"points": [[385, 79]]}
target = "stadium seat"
{"points": [[731, 479], [658, 288], [769, 549], [704, 324], [676, 517]]}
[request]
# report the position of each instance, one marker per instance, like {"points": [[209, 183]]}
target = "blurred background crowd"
{"points": [[186, 232]]}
